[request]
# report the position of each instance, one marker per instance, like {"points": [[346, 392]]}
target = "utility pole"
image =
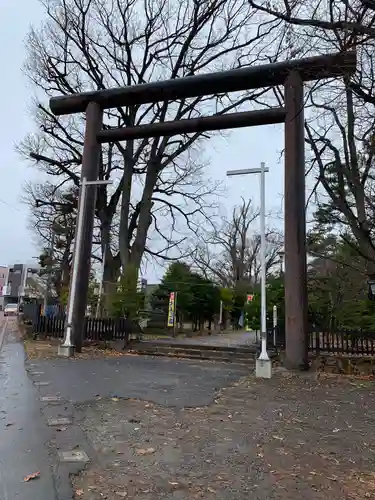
{"points": [[263, 363], [47, 291]]}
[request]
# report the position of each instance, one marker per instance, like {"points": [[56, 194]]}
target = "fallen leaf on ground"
{"points": [[30, 477], [147, 451], [211, 490], [9, 424], [79, 493]]}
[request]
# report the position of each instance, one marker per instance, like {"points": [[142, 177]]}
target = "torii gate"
{"points": [[292, 74]]}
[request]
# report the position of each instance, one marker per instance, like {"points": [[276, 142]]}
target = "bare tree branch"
{"points": [[230, 254], [96, 44]]}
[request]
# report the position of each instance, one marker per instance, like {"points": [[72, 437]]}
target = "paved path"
{"points": [[22, 430], [234, 339], [162, 380]]}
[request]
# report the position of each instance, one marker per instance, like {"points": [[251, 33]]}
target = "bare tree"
{"points": [[343, 152], [230, 254], [95, 44], [340, 116], [53, 225], [326, 26], [347, 16]]}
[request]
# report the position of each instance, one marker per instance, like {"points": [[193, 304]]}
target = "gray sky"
{"points": [[241, 149], [15, 18]]}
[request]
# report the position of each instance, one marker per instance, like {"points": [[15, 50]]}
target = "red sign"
{"points": [[250, 298]]}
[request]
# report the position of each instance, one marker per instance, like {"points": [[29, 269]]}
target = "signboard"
{"points": [[172, 309]]}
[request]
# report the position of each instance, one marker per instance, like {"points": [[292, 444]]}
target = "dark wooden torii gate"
{"points": [[291, 74]]}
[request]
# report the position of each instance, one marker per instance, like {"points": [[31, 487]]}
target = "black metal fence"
{"points": [[95, 329], [349, 342], [353, 342]]}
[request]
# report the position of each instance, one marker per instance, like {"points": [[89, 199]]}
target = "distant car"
{"points": [[11, 310]]}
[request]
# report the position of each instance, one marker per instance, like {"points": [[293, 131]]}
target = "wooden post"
{"points": [[296, 325], [90, 171]]}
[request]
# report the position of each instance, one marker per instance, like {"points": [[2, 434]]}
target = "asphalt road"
{"points": [[166, 381], [23, 433]]}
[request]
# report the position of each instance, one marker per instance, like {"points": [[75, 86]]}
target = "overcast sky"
{"points": [[241, 149]]}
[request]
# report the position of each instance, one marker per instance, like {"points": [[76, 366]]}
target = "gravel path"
{"points": [[288, 438]]}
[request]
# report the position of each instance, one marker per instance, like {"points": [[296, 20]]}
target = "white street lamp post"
{"points": [[101, 283], [263, 363], [67, 347]]}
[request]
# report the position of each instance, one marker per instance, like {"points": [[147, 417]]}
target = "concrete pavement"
{"points": [[23, 433]]}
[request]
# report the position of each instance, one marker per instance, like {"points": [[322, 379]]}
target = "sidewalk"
{"points": [[22, 430]]}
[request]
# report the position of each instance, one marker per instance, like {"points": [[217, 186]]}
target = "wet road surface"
{"points": [[23, 432]]}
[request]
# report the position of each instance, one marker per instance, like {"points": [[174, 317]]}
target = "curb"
{"points": [[64, 438], [3, 333]]}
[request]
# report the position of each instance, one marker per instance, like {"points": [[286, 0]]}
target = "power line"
{"points": [[9, 205]]}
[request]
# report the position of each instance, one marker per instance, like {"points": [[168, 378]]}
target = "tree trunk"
{"points": [[144, 220], [124, 236], [110, 278]]}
